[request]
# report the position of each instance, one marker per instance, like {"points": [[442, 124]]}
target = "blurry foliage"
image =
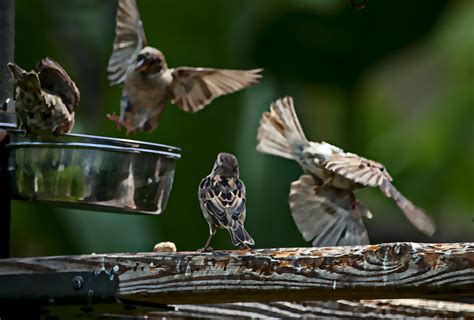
{"points": [[393, 82]]}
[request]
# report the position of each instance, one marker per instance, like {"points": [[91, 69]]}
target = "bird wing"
{"points": [[358, 169], [237, 200], [326, 214], [370, 173], [223, 202], [54, 78], [194, 88], [129, 41]]}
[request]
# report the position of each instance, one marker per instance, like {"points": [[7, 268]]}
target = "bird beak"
{"points": [[141, 65]]}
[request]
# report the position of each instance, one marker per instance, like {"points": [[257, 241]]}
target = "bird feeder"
{"points": [[73, 170]]}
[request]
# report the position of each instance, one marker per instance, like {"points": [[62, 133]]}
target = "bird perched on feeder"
{"points": [[45, 98], [148, 83], [222, 199], [322, 201]]}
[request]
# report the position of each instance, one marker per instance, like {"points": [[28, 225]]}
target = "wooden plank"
{"points": [[385, 271], [361, 309]]}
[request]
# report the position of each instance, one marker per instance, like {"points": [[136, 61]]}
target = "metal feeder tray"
{"points": [[90, 172]]}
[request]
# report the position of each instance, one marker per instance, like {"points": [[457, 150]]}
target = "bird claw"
{"points": [[119, 124], [115, 119]]}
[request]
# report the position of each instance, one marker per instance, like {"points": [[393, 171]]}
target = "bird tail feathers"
{"points": [[419, 218], [239, 235], [280, 130]]}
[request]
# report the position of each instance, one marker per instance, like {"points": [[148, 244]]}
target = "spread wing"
{"points": [[129, 41], [360, 170], [194, 88], [55, 79], [222, 202], [326, 214], [373, 174]]}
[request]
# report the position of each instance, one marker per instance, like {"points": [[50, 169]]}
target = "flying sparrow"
{"points": [[222, 199], [148, 83], [322, 201], [45, 98]]}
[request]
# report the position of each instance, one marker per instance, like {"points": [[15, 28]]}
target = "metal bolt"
{"points": [[77, 282]]}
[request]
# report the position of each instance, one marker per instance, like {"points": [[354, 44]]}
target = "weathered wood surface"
{"points": [[385, 271], [363, 309]]}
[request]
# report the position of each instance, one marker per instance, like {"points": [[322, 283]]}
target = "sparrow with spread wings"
{"points": [[148, 83], [45, 98], [222, 199], [322, 201]]}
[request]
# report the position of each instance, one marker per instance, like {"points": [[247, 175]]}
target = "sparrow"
{"points": [[222, 199], [322, 201], [45, 98], [148, 83]]}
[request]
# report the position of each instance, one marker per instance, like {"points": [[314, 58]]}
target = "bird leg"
{"points": [[327, 180], [321, 184], [119, 123], [207, 248], [245, 247], [115, 119]]}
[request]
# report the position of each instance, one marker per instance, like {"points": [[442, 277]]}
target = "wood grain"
{"points": [[385, 271], [340, 309]]}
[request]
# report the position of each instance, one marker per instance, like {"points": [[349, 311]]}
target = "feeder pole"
{"points": [[7, 38]]}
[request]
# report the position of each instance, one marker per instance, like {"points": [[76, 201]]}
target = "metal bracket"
{"points": [[58, 288]]}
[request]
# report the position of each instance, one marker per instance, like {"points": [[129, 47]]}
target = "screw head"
{"points": [[77, 282]]}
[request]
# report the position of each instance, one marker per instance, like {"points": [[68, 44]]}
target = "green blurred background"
{"points": [[393, 82]]}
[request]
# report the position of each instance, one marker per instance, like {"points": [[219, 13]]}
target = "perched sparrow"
{"points": [[46, 98], [148, 83], [222, 199], [322, 202]]}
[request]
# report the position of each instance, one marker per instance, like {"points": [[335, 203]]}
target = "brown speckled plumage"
{"points": [[148, 83], [222, 198], [45, 98], [322, 201]]}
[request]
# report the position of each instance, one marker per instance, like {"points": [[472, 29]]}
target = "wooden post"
{"points": [[385, 271]]}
